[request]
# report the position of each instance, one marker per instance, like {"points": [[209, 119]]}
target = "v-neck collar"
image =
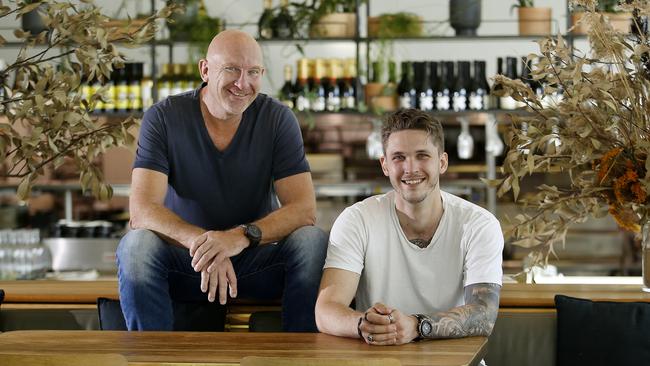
{"points": [[204, 129], [403, 235]]}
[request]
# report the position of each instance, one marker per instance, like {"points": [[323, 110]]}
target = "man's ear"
{"points": [[203, 69], [444, 162], [382, 162]]}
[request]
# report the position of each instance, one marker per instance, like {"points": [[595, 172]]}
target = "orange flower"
{"points": [[606, 163], [625, 218]]}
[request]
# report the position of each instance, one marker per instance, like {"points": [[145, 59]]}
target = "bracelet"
{"points": [[359, 328]]}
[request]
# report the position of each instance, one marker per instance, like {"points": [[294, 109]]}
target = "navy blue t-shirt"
{"points": [[212, 189]]}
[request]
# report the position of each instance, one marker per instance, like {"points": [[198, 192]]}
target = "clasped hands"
{"points": [[211, 252], [382, 325]]}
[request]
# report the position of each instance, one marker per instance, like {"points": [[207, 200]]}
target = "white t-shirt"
{"points": [[466, 249]]}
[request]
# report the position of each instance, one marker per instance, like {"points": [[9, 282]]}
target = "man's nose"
{"points": [[241, 80]]}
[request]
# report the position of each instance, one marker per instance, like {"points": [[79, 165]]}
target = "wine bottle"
{"points": [[479, 99], [265, 31], [317, 91], [434, 80], [122, 89], [286, 95], [165, 82], [332, 89], [417, 80], [425, 92], [347, 85], [495, 99], [135, 87], [392, 73], [508, 102], [405, 90], [282, 24], [111, 94], [444, 90], [301, 90], [461, 87], [146, 85]]}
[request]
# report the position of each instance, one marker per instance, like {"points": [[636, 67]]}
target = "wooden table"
{"points": [[230, 348], [512, 294]]}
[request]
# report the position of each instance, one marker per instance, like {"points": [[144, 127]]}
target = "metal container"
{"points": [[82, 254]]}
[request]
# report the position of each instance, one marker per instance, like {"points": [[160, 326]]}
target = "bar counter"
{"points": [[513, 295]]}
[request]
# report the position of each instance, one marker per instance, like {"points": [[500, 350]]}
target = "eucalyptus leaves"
{"points": [[44, 119]]}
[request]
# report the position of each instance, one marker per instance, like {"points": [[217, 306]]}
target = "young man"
{"points": [[420, 262], [202, 199]]}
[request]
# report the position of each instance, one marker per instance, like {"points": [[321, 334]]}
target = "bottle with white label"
{"points": [[444, 90], [479, 96], [461, 88], [425, 92]]}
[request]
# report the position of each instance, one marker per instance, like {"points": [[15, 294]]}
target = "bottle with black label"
{"points": [[265, 30], [405, 89], [301, 90], [444, 91], [286, 94], [282, 24], [425, 91], [479, 98]]}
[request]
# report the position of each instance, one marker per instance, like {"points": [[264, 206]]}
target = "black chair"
{"points": [[188, 316], [603, 333], [265, 321]]}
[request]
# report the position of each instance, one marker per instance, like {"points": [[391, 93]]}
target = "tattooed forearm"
{"points": [[475, 318]]}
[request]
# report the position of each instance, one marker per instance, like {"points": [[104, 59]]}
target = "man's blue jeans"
{"points": [[152, 272]]}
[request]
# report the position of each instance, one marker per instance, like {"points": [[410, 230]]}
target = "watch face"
{"points": [[425, 328], [254, 231]]}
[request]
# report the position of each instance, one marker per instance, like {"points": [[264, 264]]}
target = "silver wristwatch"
{"points": [[425, 326]]}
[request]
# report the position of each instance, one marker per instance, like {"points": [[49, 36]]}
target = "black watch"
{"points": [[425, 328], [253, 233]]}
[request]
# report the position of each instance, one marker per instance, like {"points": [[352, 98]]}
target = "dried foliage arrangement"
{"points": [[44, 118], [592, 124]]}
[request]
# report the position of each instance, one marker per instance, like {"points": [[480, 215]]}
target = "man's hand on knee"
{"points": [[220, 281]]}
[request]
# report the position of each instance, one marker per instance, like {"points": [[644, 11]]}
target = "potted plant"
{"points": [[595, 138], [533, 21], [465, 16], [194, 26], [395, 25], [333, 19], [618, 19]]}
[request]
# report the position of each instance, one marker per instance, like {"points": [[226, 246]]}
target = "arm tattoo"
{"points": [[475, 318]]}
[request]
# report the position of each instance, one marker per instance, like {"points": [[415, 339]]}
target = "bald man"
{"points": [[210, 168]]}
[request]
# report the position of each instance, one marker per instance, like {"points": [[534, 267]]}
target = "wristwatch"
{"points": [[253, 233], [424, 326]]}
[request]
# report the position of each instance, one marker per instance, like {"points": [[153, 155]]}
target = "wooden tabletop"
{"points": [[214, 348], [512, 294]]}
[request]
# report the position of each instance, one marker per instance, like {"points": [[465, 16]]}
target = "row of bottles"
{"points": [[442, 85], [508, 67], [22, 255], [320, 85], [131, 88]]}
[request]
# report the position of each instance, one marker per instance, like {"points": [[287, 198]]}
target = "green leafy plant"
{"points": [[608, 6], [403, 24], [45, 119], [596, 135], [524, 4]]}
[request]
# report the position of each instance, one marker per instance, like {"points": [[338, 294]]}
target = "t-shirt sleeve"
{"points": [[347, 243], [288, 149], [484, 255], [152, 142]]}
